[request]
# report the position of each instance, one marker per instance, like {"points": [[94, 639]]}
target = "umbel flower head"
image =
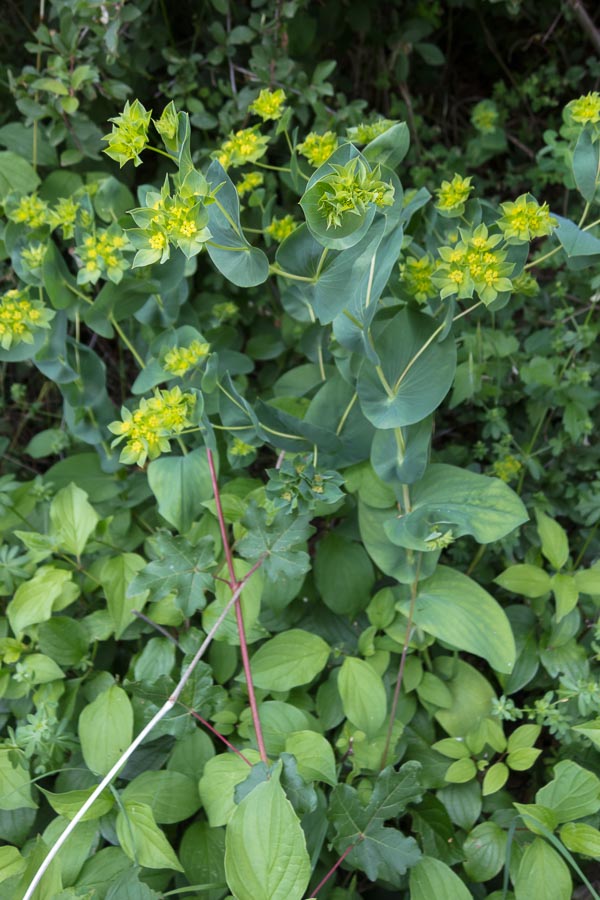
{"points": [[350, 189], [584, 110], [474, 264], [368, 131], [249, 183], [178, 361], [485, 117], [525, 220], [453, 195], [279, 229], [129, 135], [417, 278], [27, 209], [317, 148], [101, 256], [148, 430], [269, 104], [21, 318], [245, 146]]}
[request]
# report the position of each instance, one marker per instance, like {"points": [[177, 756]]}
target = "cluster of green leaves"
{"points": [[275, 359]]}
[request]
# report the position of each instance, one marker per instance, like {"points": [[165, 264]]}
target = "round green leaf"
{"points": [[485, 850], [289, 659], [431, 879], [410, 392]]}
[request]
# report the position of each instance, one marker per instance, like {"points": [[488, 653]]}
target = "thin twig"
{"points": [[233, 584], [158, 627]]}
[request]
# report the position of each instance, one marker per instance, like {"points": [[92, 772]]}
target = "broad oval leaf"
{"points": [[455, 609], [106, 729], [542, 874], [288, 660], [265, 848], [431, 879], [363, 695]]}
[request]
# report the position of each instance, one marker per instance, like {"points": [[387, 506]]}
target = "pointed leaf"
{"points": [[265, 848]]}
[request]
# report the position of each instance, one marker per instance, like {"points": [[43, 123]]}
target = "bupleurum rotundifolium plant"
{"points": [[372, 278]]}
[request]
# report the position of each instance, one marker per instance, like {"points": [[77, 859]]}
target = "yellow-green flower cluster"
{"points": [[279, 229], [129, 135], [350, 189], [507, 468], [317, 148], [21, 317], [64, 215], [484, 117], [225, 311], [179, 360], [474, 264], [269, 104], [368, 131], [525, 284], [34, 255], [240, 448], [148, 429], [249, 183], [453, 195], [417, 278], [524, 220], [166, 220], [586, 109], [245, 146], [28, 210], [101, 256]]}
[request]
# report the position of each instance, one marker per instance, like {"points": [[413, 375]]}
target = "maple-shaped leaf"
{"points": [[275, 542], [378, 851], [180, 568]]}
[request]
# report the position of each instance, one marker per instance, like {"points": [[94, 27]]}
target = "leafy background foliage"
{"points": [[259, 348]]}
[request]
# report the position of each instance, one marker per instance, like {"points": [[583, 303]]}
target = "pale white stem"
{"points": [[162, 712]]}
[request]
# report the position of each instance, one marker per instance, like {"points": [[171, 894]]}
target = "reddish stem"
{"points": [[217, 734], [234, 584], [332, 869]]}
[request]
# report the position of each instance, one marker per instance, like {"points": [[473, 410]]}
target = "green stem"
{"points": [[409, 625], [275, 270], [127, 342], [229, 249], [345, 414], [273, 168], [162, 152]]}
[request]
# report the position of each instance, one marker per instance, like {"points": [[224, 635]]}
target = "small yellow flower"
{"points": [[21, 317], [585, 109], [239, 448], [453, 195], [317, 148], [524, 219], [180, 360], [269, 104], [417, 275], [485, 117], [279, 229], [249, 183], [244, 146], [148, 430]]}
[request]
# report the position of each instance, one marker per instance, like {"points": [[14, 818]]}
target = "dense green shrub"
{"points": [[294, 405]]}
